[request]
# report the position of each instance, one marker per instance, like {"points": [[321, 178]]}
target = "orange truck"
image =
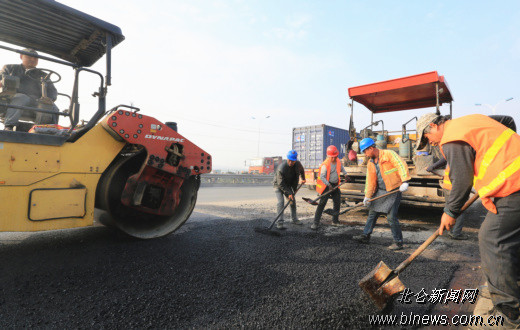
{"points": [[265, 165]]}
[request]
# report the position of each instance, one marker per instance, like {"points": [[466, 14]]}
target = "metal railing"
{"points": [[236, 179]]}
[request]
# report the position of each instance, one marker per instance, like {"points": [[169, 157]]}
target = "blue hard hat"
{"points": [[366, 143], [292, 155]]}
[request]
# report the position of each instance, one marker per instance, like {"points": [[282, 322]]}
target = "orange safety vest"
{"points": [[497, 159], [320, 186], [393, 171]]}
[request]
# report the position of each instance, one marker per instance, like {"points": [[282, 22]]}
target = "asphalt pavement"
{"points": [[215, 272]]}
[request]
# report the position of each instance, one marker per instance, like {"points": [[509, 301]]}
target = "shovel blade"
{"points": [[310, 201], [378, 287]]}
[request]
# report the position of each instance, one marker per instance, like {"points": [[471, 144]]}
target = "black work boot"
{"points": [[297, 222], [365, 239], [396, 246]]}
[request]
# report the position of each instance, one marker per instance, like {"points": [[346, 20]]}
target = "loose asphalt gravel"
{"points": [[218, 274]]}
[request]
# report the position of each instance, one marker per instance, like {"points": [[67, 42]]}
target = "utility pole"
{"points": [[259, 123]]}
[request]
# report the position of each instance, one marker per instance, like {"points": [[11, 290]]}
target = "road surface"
{"points": [[216, 271]]}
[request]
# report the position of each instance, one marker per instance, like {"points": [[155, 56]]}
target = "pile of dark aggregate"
{"points": [[219, 274]]}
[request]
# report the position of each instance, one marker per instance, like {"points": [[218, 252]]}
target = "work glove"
{"points": [[403, 187], [366, 201]]}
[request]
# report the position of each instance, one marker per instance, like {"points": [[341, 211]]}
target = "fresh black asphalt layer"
{"points": [[218, 274]]}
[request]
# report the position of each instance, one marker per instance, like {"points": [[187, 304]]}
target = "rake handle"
{"points": [[432, 238], [285, 206]]}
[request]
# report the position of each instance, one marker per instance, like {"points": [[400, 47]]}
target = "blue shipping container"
{"points": [[311, 143]]}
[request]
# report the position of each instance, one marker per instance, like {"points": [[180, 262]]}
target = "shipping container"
{"points": [[311, 143]]}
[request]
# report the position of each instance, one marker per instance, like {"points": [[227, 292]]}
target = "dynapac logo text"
{"points": [[162, 138]]}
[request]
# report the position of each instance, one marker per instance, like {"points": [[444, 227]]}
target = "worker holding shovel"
{"points": [[386, 171], [456, 230], [285, 182], [485, 154], [327, 186]]}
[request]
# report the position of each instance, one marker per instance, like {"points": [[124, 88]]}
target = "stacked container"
{"points": [[311, 143]]}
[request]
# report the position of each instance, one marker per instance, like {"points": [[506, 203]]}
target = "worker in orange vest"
{"points": [[386, 171], [330, 171], [456, 230], [485, 154]]}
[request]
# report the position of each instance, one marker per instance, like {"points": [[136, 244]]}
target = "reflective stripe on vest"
{"points": [[446, 183], [501, 178], [497, 158], [492, 152]]}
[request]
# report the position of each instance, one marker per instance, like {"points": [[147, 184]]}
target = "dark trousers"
{"points": [[12, 115], [391, 217], [499, 243], [279, 206], [336, 200]]}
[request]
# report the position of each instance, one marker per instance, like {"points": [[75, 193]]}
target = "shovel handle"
{"points": [[370, 200], [432, 238], [438, 173], [279, 214], [297, 188], [285, 206], [294, 192], [325, 194], [390, 193]]}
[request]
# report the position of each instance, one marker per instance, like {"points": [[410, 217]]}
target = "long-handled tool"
{"points": [[315, 201], [382, 283], [267, 230], [439, 173], [331, 211]]}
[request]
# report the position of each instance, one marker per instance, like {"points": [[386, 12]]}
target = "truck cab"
{"points": [[265, 165]]}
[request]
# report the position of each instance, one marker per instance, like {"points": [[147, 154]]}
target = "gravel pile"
{"points": [[217, 274]]}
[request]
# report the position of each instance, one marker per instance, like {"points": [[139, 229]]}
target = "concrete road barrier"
{"points": [[209, 180]]}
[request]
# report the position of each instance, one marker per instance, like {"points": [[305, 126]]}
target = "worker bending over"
{"points": [[386, 171], [285, 183], [485, 154], [330, 171], [456, 230]]}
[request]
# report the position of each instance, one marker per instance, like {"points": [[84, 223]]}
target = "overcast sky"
{"points": [[212, 66]]}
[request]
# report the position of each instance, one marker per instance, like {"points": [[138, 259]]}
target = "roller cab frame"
{"points": [[140, 172], [408, 93]]}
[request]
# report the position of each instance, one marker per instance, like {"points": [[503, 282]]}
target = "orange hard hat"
{"points": [[332, 151]]}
